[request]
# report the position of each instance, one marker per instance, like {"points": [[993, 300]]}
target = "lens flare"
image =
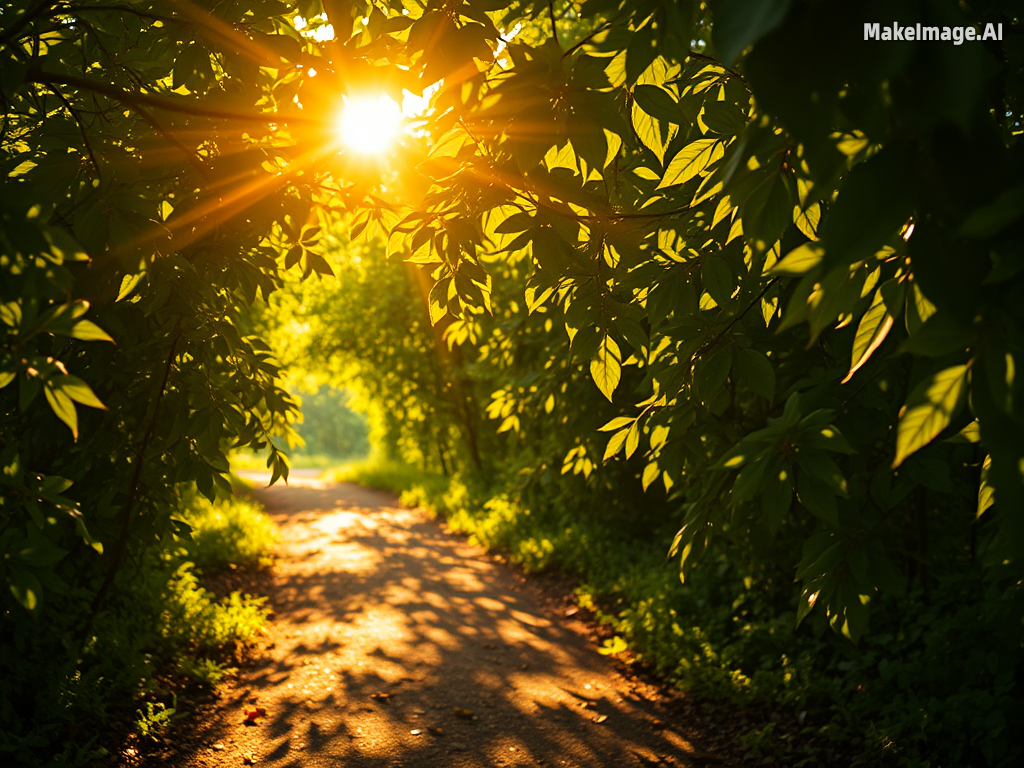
{"points": [[369, 124]]}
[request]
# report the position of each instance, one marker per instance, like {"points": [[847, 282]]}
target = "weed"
{"points": [[153, 719]]}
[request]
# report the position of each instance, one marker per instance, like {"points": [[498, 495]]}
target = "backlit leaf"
{"points": [[690, 161], [930, 408]]}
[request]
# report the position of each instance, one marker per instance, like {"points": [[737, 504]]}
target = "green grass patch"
{"points": [[248, 461], [224, 533], [416, 486]]}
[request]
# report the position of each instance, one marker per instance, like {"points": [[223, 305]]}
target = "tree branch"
{"points": [[121, 545], [184, 106], [41, 8], [554, 29], [76, 9], [172, 139], [81, 128]]}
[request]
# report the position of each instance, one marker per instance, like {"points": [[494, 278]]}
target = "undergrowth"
{"points": [[162, 634], [228, 533], [934, 684]]}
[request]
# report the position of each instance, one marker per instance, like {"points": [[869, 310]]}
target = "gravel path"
{"points": [[395, 643]]}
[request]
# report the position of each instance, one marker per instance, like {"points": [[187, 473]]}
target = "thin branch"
{"points": [[184, 106], [76, 9], [554, 29], [81, 128], [41, 8], [716, 62], [738, 317], [172, 139], [588, 38], [121, 545]]}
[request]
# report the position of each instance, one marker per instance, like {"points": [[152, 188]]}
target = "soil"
{"points": [[397, 643]]}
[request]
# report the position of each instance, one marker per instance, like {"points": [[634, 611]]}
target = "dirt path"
{"points": [[398, 644]]}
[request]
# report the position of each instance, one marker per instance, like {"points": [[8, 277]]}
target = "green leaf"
{"points": [[874, 326], [799, 261], [818, 497], [711, 374], [996, 216], [930, 408], [606, 367], [79, 391], [939, 335], [875, 200], [86, 330], [717, 279], [986, 493], [62, 406], [615, 443], [617, 423], [25, 587], [690, 161], [632, 438], [128, 284], [724, 118], [808, 599], [807, 219], [749, 480], [755, 371], [919, 309], [657, 102], [650, 474], [822, 467]]}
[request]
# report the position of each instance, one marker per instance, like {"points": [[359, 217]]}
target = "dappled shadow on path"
{"points": [[398, 644]]}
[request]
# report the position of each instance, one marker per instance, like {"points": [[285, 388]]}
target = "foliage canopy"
{"points": [[789, 261]]}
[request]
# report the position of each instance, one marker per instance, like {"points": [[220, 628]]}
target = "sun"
{"points": [[369, 125]]}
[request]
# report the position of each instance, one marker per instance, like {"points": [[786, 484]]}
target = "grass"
{"points": [[247, 461], [416, 485], [225, 533]]}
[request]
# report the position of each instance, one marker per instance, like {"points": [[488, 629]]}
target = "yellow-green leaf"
{"points": [[986, 493], [63, 407], [690, 161], [930, 408], [87, 330], [651, 473], [799, 261], [606, 367], [807, 219], [80, 392], [632, 439], [615, 444], [873, 328]]}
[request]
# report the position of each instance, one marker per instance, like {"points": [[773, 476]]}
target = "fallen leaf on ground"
{"points": [[600, 718], [249, 759], [218, 746], [571, 611], [465, 714], [252, 714], [381, 696]]}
